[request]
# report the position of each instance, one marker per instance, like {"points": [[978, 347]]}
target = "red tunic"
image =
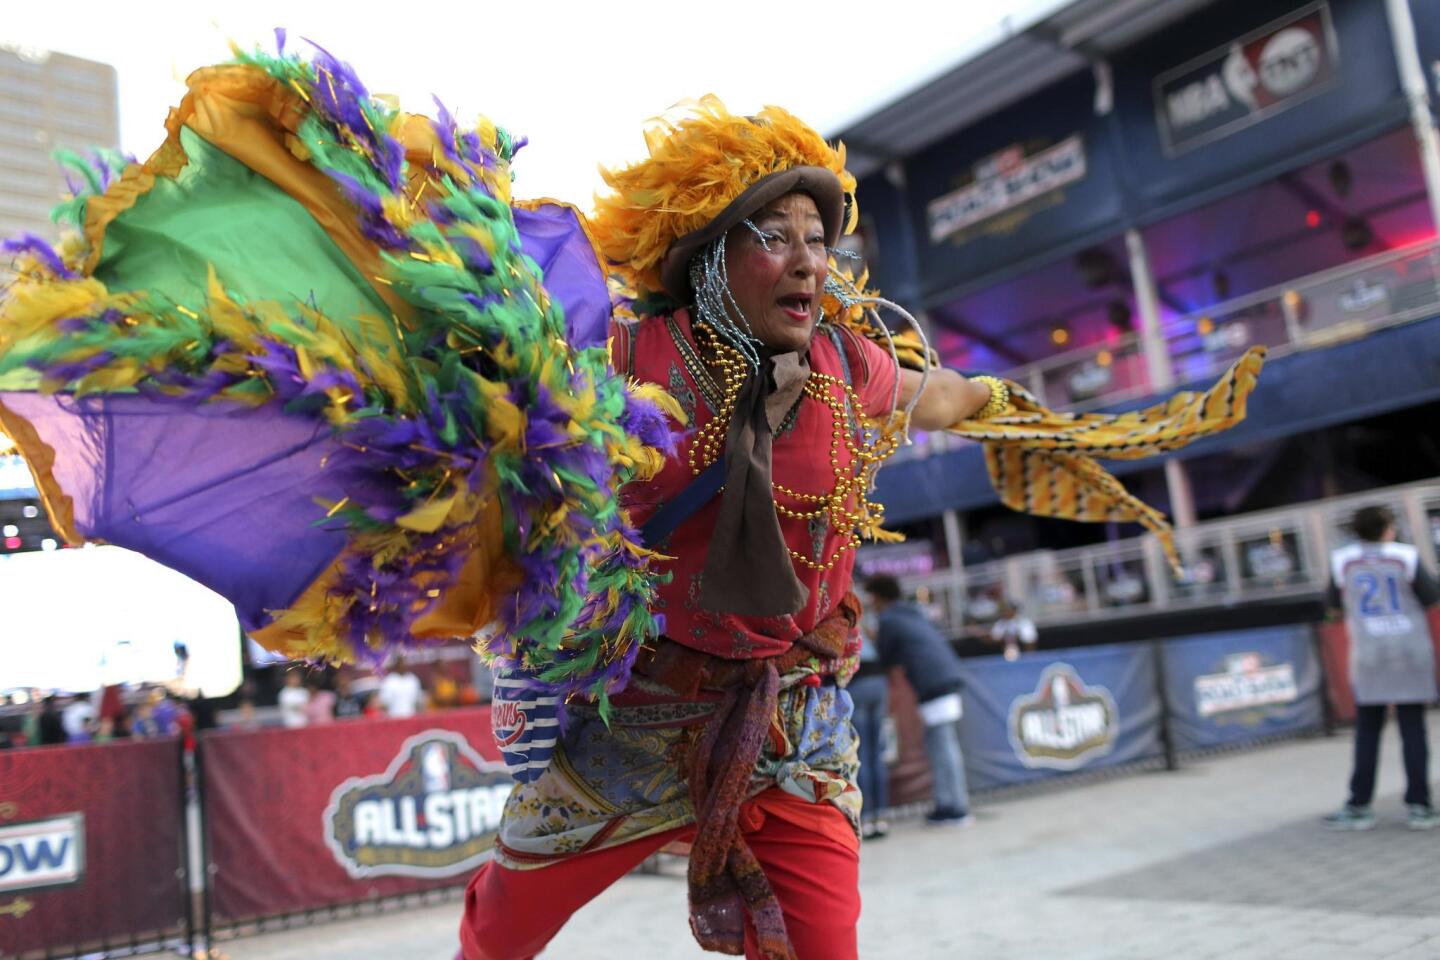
{"points": [[801, 462]]}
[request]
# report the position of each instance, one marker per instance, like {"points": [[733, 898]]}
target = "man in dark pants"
{"points": [[870, 693], [1384, 592], [906, 638]]}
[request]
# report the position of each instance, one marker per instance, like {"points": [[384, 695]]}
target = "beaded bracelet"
{"points": [[999, 401]]}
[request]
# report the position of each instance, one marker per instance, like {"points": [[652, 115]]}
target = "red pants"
{"points": [[512, 914]]}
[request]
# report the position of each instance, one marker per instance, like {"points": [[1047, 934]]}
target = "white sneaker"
{"points": [[1351, 818], [1422, 817], [948, 818]]}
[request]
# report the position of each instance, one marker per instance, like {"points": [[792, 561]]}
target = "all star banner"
{"points": [[1048, 714], [341, 813], [1227, 688]]}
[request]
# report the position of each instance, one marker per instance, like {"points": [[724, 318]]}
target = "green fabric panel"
{"points": [[264, 244]]}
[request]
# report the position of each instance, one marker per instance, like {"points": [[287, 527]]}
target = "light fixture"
{"points": [[1204, 326], [1097, 267], [1341, 178], [1104, 358], [1220, 283], [1059, 336], [1356, 234], [1312, 218], [1118, 312]]}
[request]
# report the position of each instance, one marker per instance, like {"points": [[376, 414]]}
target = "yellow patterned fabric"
{"points": [[1043, 462]]}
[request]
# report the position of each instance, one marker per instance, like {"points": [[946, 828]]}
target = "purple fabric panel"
{"points": [[223, 494], [553, 238]]}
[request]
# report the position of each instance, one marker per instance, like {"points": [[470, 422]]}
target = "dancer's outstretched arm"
{"points": [[948, 399]]}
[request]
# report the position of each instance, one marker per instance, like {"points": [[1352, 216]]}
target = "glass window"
{"points": [[22, 111], [27, 157], [27, 182], [1056, 588], [1272, 559], [1203, 574], [1122, 582]]}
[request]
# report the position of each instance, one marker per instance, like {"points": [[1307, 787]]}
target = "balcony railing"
{"points": [[1319, 310], [1254, 557]]}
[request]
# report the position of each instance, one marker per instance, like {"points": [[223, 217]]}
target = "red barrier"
{"points": [[347, 812], [910, 776], [1335, 653], [90, 839]]}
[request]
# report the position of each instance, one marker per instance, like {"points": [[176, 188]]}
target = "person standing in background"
{"points": [[1384, 591], [49, 728], [320, 708], [347, 703], [78, 719], [165, 714], [400, 692], [293, 700], [870, 692], [1015, 630], [908, 640]]}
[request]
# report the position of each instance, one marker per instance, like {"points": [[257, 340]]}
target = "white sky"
{"points": [[579, 79]]}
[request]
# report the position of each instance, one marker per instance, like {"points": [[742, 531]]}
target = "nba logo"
{"points": [[435, 767]]}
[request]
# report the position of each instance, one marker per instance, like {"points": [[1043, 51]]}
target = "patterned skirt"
{"points": [[608, 785]]}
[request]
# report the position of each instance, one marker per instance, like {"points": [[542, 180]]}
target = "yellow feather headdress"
{"points": [[699, 162]]}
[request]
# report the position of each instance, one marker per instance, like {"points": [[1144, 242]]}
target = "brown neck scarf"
{"points": [[748, 569]]}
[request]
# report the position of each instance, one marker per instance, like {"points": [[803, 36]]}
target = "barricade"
{"points": [[298, 823], [92, 850], [1226, 689], [1048, 714], [350, 812]]}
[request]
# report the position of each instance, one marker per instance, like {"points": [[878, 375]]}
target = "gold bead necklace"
{"points": [[846, 504]]}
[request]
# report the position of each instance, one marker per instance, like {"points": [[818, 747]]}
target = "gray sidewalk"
{"points": [[1224, 858]]}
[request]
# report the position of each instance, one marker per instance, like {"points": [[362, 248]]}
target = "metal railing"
{"points": [[1254, 557], [1319, 310]]}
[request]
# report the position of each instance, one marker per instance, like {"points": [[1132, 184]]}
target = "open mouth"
{"points": [[797, 307]]}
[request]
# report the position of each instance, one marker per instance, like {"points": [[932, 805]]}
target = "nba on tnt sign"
{"points": [[432, 813], [1242, 83]]}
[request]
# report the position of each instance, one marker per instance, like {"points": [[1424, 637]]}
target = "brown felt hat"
{"points": [[822, 186]]}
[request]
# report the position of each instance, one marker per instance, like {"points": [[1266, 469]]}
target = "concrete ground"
{"points": [[1223, 858]]}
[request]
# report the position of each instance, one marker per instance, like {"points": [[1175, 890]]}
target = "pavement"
{"points": [[1223, 858]]}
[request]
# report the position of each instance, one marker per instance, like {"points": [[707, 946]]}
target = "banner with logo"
{"points": [[1243, 90], [349, 811], [1026, 184], [1228, 688], [90, 843], [1048, 714], [1269, 70]]}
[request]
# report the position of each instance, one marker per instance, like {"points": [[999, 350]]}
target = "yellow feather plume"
{"points": [[698, 164]]}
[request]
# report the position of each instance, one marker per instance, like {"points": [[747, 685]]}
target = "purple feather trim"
{"points": [[40, 250]]}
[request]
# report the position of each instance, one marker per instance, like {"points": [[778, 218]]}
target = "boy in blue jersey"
{"points": [[1384, 591]]}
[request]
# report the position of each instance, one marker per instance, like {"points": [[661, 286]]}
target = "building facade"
{"points": [[48, 102], [1113, 204]]}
